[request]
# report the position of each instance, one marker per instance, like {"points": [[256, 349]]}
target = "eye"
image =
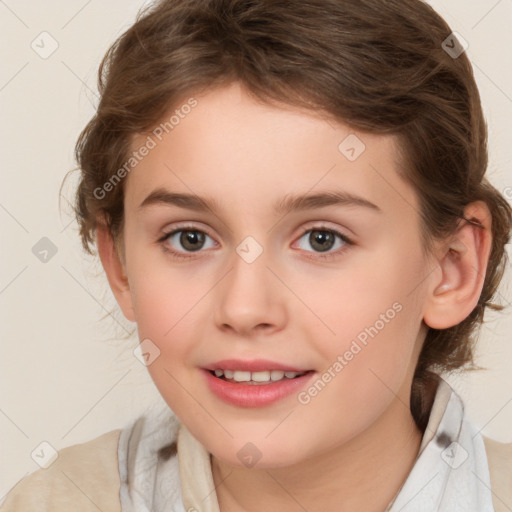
{"points": [[324, 240], [185, 240]]}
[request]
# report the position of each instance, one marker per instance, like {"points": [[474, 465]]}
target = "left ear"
{"points": [[463, 258]]}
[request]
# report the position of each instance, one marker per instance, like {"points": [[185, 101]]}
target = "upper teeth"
{"points": [[265, 376]]}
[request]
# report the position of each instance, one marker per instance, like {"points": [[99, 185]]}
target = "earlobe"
{"points": [[115, 271], [456, 287]]}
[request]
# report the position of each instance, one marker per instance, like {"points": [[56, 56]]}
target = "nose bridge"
{"points": [[249, 296]]}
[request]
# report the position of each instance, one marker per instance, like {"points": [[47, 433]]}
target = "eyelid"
{"points": [[329, 226], [184, 226], [320, 225]]}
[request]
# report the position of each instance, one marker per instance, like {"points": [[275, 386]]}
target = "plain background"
{"points": [[66, 375]]}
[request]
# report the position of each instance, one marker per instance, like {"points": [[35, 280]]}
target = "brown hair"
{"points": [[378, 66]]}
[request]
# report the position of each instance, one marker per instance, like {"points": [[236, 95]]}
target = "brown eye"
{"points": [[321, 240], [183, 241], [192, 240]]}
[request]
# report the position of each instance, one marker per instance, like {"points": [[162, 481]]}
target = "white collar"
{"points": [[450, 474]]}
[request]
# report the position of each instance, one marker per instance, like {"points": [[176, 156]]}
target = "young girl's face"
{"points": [[333, 287]]}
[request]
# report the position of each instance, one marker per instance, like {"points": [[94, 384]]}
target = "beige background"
{"points": [[64, 377]]}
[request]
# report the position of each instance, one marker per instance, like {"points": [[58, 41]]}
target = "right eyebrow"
{"points": [[189, 201]]}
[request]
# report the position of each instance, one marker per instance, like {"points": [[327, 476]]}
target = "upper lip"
{"points": [[253, 365]]}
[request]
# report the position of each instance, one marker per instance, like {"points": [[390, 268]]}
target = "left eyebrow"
{"points": [[320, 200], [284, 206]]}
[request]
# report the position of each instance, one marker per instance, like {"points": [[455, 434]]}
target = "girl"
{"points": [[290, 201]]}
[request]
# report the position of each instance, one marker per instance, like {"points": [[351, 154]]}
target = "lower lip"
{"points": [[255, 395]]}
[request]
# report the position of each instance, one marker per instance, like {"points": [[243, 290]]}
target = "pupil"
{"points": [[323, 240], [192, 240]]}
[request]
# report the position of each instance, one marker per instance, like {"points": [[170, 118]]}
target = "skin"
{"points": [[289, 305]]}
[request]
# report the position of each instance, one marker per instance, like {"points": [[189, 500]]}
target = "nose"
{"points": [[250, 299]]}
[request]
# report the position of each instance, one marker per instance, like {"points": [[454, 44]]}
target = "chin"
{"points": [[257, 455]]}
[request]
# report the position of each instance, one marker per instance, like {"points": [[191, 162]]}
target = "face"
{"points": [[330, 285]]}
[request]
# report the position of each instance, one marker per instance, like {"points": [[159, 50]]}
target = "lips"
{"points": [[255, 382]]}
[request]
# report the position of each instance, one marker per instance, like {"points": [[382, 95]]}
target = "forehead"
{"points": [[249, 154]]}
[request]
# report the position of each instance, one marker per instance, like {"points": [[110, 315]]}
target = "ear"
{"points": [[458, 283], [115, 270]]}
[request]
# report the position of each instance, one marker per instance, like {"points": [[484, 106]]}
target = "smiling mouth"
{"points": [[256, 378]]}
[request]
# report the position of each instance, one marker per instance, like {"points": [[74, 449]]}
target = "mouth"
{"points": [[258, 378], [255, 382], [260, 388]]}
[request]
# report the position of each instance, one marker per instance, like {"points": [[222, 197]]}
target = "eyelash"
{"points": [[328, 255], [172, 252], [318, 255]]}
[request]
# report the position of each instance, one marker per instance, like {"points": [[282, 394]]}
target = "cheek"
{"points": [[167, 305], [374, 316], [365, 373], [163, 293], [368, 291], [171, 304]]}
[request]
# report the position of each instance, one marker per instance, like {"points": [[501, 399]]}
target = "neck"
{"points": [[346, 478]]}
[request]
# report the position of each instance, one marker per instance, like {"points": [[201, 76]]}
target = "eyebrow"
{"points": [[282, 207]]}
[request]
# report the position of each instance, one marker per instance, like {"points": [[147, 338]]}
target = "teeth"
{"points": [[276, 374], [241, 376], [264, 376]]}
